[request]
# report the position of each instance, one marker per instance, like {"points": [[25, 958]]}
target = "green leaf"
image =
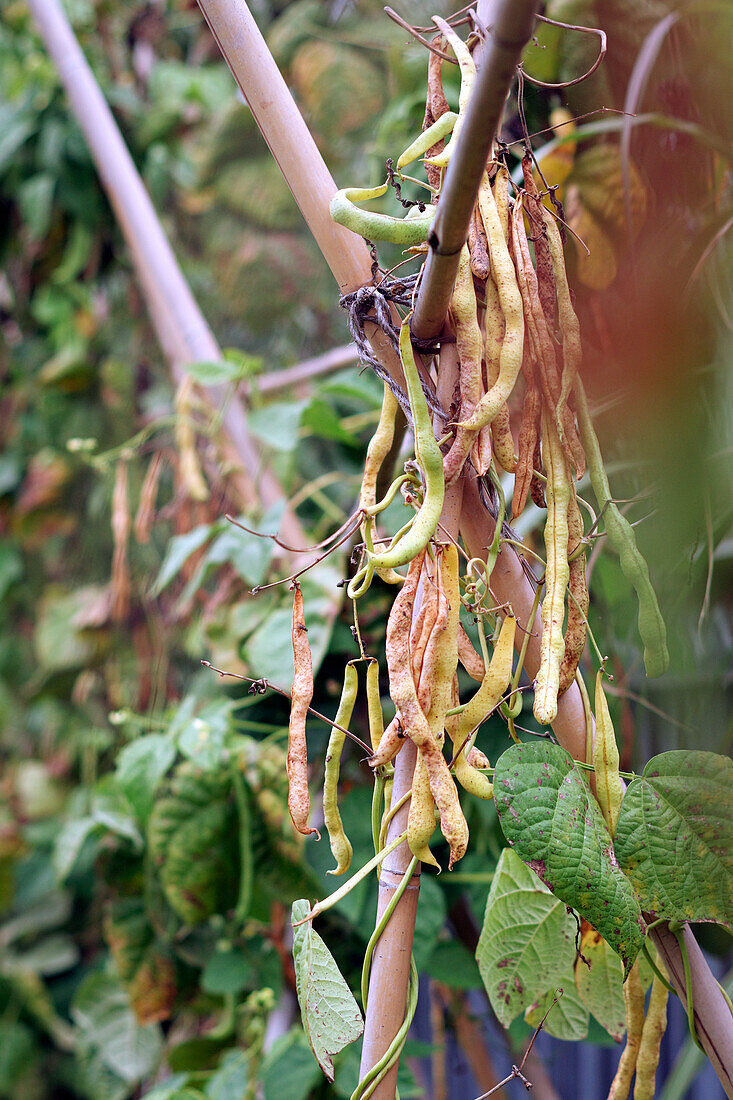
{"points": [[16, 1053], [174, 1089], [180, 548], [323, 421], [52, 955], [600, 988], [355, 385], [277, 424], [555, 825], [141, 766], [230, 1080], [249, 554], [568, 1019], [202, 738], [288, 1070], [69, 843], [331, 1017], [101, 1011], [36, 203], [221, 371], [227, 972], [192, 838], [11, 567], [674, 837], [527, 940]]}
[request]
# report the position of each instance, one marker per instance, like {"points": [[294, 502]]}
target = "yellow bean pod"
{"points": [[461, 726], [510, 300], [469, 344], [557, 574], [421, 815], [655, 1026], [609, 785]]}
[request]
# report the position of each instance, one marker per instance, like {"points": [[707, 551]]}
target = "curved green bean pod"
{"points": [[340, 844], [379, 227], [621, 536], [428, 454]]}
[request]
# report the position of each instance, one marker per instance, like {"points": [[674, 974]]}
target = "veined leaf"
{"points": [[600, 985], [331, 1017], [674, 837], [568, 1019], [192, 836], [527, 941], [554, 824], [146, 969], [102, 1013]]}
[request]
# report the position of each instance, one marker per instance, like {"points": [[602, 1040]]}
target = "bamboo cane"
{"points": [[509, 27], [175, 314], [302, 165]]}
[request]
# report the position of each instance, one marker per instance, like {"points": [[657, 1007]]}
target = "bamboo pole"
{"points": [[174, 312], [511, 24], [312, 187]]}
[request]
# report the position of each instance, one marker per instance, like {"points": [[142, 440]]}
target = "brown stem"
{"points": [[178, 322]]}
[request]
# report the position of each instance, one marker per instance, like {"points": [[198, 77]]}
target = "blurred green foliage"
{"points": [[147, 861]]}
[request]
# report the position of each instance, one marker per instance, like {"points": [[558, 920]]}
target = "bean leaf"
{"points": [[527, 940], [331, 1017], [554, 824], [674, 837], [599, 984]]}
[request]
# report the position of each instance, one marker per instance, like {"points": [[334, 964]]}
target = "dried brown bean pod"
{"points": [[502, 440], [297, 758], [543, 257], [120, 582], [436, 106], [536, 486], [148, 495], [404, 695], [478, 248], [469, 344], [184, 433], [542, 342], [528, 437], [578, 600], [567, 317], [389, 745], [471, 660]]}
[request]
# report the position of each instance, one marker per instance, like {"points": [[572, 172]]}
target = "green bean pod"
{"points": [[428, 454], [372, 226], [621, 536], [609, 785], [340, 845]]}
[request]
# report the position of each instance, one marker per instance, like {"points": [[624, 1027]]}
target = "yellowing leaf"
{"points": [[597, 267]]}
